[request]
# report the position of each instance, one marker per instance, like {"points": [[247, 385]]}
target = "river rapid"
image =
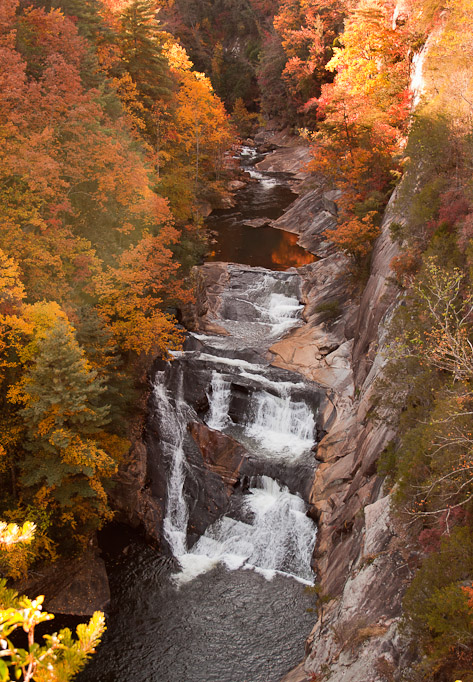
{"points": [[229, 600]]}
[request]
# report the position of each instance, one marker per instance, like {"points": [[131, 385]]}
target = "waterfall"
{"points": [[260, 308], [283, 312], [278, 537], [266, 527], [219, 402], [280, 425], [173, 424]]}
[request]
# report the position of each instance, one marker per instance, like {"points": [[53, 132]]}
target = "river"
{"points": [[229, 601]]}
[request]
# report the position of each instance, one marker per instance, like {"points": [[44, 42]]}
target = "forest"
{"points": [[118, 121]]}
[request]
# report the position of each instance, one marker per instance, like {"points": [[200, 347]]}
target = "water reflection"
{"points": [[237, 242], [289, 253]]}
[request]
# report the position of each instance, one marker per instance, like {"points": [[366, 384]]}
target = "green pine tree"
{"points": [[141, 42], [64, 425]]}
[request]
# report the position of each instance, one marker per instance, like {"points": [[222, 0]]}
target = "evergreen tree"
{"points": [[64, 424], [141, 42]]}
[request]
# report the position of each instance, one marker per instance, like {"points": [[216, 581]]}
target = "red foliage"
{"points": [[430, 538], [465, 233], [454, 207], [405, 266]]}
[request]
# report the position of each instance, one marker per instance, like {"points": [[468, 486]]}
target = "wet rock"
{"points": [[130, 495], [220, 453], [85, 588], [257, 222], [292, 158], [309, 218], [235, 185], [77, 588]]}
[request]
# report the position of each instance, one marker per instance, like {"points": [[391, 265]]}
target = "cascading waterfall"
{"points": [[260, 309], [219, 402], [269, 530], [278, 537], [282, 427], [273, 533], [173, 423], [283, 312]]}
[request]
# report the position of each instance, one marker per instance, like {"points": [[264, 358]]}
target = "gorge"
{"points": [[237, 405], [265, 384], [230, 465]]}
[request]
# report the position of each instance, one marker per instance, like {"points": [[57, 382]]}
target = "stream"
{"points": [[230, 441]]}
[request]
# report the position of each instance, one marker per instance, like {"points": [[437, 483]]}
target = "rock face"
{"points": [[77, 588], [310, 216], [131, 495], [360, 559]]}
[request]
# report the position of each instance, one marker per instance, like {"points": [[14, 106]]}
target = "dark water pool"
{"points": [[224, 626], [235, 242]]}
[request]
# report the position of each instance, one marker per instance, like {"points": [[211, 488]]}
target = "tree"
{"points": [[134, 294], [141, 44], [60, 657], [437, 612], [307, 29], [362, 119], [67, 449]]}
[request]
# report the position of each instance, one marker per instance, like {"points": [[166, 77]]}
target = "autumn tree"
{"points": [[362, 118], [307, 29], [59, 656], [133, 296], [68, 453], [141, 45]]}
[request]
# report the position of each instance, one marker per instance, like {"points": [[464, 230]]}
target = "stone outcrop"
{"points": [[131, 495], [209, 281], [221, 454], [78, 587], [310, 216]]}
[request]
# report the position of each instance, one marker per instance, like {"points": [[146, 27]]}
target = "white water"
{"points": [[280, 425], [273, 534], [219, 402], [283, 313], [276, 427], [265, 181], [173, 425], [260, 310], [278, 538]]}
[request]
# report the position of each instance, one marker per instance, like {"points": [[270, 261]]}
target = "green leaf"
{"points": [[4, 674]]}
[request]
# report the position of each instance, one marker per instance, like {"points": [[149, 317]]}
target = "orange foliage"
{"points": [[134, 293], [355, 236], [363, 115]]}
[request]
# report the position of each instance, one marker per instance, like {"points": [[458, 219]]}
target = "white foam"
{"points": [[193, 565], [278, 540], [219, 402], [278, 386], [231, 362], [281, 426], [173, 424]]}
